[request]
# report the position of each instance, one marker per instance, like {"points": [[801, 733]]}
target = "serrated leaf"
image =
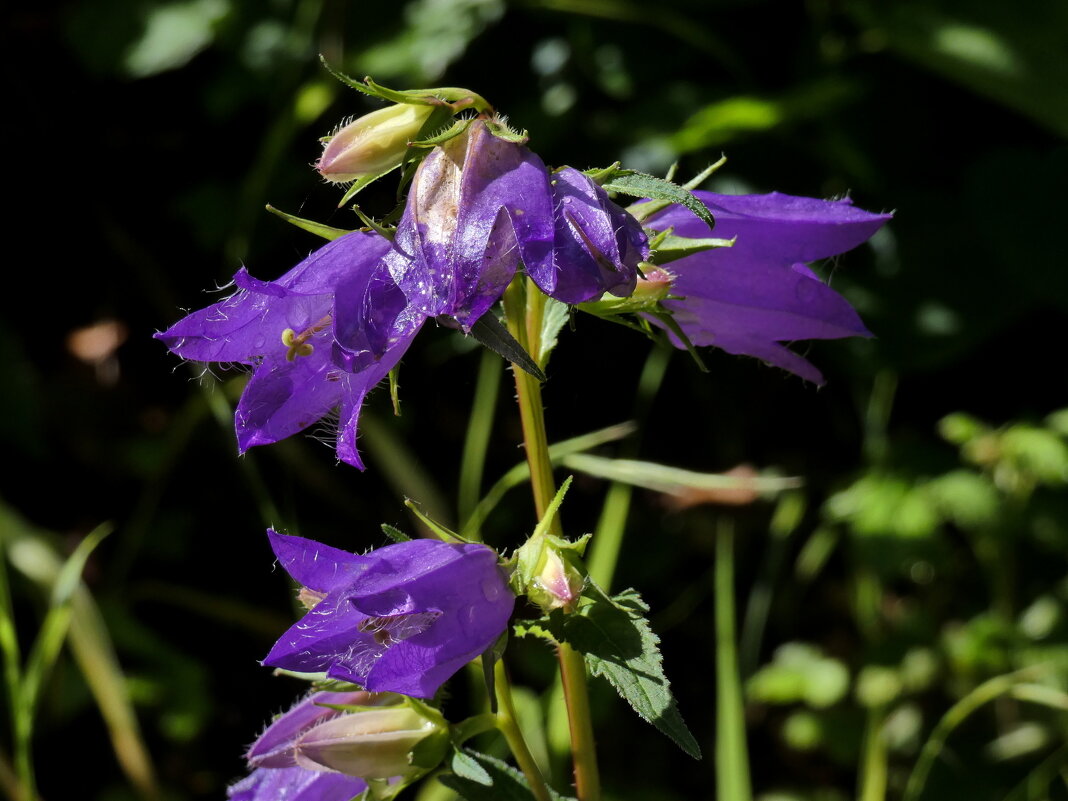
{"points": [[555, 315], [640, 184], [618, 644], [489, 331], [479, 777], [325, 231]]}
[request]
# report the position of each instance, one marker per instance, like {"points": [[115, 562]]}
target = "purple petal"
{"points": [[477, 206], [283, 397], [748, 298], [295, 784], [275, 747], [316, 566], [247, 326], [597, 244]]}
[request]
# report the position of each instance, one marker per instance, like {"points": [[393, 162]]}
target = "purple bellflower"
{"points": [[480, 205], [401, 619], [295, 784], [750, 298], [284, 331]]}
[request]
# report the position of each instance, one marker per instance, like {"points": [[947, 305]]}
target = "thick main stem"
{"points": [[524, 310]]}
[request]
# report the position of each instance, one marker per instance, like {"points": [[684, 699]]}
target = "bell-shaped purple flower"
{"points": [[295, 784], [284, 331], [401, 619], [478, 204], [597, 245], [750, 298]]}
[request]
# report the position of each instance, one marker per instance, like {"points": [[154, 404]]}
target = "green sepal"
{"points": [[455, 97], [451, 132], [368, 222], [599, 177], [614, 637], [668, 321], [314, 677], [502, 131], [441, 532], [669, 247], [429, 752], [489, 658], [327, 232], [489, 331], [394, 533], [394, 390], [360, 183]]}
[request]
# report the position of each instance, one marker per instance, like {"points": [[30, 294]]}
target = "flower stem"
{"points": [[509, 727], [523, 308], [732, 758]]}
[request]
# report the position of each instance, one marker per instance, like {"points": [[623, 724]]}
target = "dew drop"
{"points": [[491, 589], [258, 342]]}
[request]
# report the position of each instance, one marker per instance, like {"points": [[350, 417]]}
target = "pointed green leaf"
{"points": [[618, 644], [640, 184], [644, 211], [439, 531], [479, 777], [489, 331], [325, 231]]}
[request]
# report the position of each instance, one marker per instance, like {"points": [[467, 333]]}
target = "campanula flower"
{"points": [[400, 619], [295, 784], [284, 331], [750, 298]]}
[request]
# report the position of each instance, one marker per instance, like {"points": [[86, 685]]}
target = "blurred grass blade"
{"points": [[479, 426], [54, 627], [521, 472], [32, 553], [673, 480]]}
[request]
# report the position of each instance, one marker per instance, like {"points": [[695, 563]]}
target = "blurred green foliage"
{"points": [[925, 558]]}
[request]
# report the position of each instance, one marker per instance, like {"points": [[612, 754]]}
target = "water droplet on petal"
{"points": [[491, 589]]}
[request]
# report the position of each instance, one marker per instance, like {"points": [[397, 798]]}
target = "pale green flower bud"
{"points": [[372, 144], [376, 743]]}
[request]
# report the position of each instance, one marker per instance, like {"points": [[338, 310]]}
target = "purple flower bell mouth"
{"points": [[402, 619], [284, 331], [749, 298]]}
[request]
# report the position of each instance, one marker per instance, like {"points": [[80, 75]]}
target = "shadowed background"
{"points": [[923, 556]]}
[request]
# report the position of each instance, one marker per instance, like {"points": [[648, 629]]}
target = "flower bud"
{"points": [[549, 569], [378, 743], [649, 290], [372, 144]]}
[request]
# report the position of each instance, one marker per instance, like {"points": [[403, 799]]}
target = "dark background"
{"points": [[142, 141]]}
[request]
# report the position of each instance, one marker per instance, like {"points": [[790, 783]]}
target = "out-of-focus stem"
{"points": [[732, 757], [523, 311], [508, 724]]}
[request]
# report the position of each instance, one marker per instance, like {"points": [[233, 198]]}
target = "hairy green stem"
{"points": [[523, 308], [508, 723]]}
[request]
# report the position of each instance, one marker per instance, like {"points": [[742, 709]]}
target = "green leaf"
{"points": [[555, 315], [640, 184], [618, 644], [479, 777], [489, 331], [325, 231]]}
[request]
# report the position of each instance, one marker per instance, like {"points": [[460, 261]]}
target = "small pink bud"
{"points": [[372, 144]]}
